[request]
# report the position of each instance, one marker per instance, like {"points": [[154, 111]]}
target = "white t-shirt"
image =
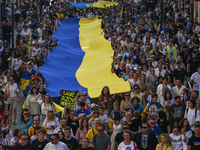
{"points": [[13, 89], [196, 79], [55, 123], [15, 64], [59, 146], [44, 109], [122, 146], [190, 115], [104, 118]]}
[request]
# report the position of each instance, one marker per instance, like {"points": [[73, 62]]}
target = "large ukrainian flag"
{"points": [[82, 60]]}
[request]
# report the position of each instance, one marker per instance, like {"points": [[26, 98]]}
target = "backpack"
{"points": [[195, 113]]}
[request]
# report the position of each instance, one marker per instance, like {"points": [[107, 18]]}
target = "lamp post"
{"points": [[13, 22]]}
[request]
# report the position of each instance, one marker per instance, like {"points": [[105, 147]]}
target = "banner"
{"points": [[67, 98]]}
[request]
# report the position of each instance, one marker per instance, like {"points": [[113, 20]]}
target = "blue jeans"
{"points": [[42, 118]]}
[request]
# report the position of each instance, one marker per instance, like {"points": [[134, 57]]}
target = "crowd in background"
{"points": [[159, 58]]}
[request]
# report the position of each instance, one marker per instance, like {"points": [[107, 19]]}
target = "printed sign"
{"points": [[67, 98]]}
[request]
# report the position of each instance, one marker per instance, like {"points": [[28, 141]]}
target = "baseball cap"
{"points": [[5, 46]]}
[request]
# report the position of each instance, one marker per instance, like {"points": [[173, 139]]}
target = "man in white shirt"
{"points": [[195, 78], [160, 86], [39, 30], [160, 71], [63, 124], [178, 89], [154, 42], [55, 144], [153, 60]]}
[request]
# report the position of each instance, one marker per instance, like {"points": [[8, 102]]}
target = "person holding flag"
{"points": [[83, 99]]}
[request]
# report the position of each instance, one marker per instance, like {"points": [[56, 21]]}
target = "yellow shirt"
{"points": [[31, 130], [166, 147], [60, 16]]}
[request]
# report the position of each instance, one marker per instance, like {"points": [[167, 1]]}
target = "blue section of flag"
{"points": [[60, 67]]}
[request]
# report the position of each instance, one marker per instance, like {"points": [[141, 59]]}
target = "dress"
{"points": [[116, 129]]}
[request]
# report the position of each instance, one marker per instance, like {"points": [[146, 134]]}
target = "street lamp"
{"points": [[13, 22]]}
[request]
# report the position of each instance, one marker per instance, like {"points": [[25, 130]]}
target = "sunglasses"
{"points": [[26, 113], [127, 95], [51, 139], [11, 80], [99, 130], [84, 95], [152, 123], [185, 96], [136, 89], [72, 114], [36, 120], [143, 127], [25, 139], [125, 128]]}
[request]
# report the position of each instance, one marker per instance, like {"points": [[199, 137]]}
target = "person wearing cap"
{"points": [[22, 49], [6, 30], [5, 55], [119, 18], [83, 98], [194, 141], [193, 63], [184, 54], [60, 15], [36, 80], [26, 75], [91, 121], [93, 131], [178, 109]]}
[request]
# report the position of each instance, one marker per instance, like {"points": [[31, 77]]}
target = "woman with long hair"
{"points": [[152, 78], [170, 81], [163, 123], [125, 103], [133, 123], [17, 41], [178, 140], [25, 121], [168, 100], [116, 127], [184, 127], [16, 137], [127, 143], [139, 94], [192, 113], [82, 130], [169, 116], [34, 108], [46, 105], [165, 144], [143, 82], [106, 97], [182, 64], [51, 122]]}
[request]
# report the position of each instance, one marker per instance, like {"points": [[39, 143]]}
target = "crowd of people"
{"points": [[159, 58]]}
